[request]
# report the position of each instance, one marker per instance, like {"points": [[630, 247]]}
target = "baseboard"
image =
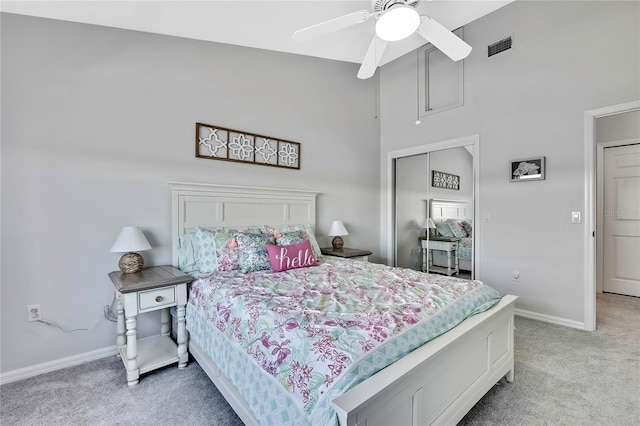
{"points": [[549, 318], [46, 367]]}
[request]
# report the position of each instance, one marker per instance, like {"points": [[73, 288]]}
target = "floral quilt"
{"points": [[315, 332]]}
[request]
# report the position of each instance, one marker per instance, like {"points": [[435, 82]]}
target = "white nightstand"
{"points": [[448, 245], [157, 287], [349, 253]]}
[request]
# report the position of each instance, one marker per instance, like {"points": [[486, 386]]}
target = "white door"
{"points": [[621, 269]]}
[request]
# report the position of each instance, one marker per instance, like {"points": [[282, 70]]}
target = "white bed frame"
{"points": [[441, 210], [437, 383]]}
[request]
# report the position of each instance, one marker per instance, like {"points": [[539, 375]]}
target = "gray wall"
{"points": [[96, 121], [567, 58]]}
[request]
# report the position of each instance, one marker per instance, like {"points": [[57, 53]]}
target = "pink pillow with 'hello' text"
{"points": [[294, 256]]}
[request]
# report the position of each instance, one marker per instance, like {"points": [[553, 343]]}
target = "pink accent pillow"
{"points": [[294, 256]]}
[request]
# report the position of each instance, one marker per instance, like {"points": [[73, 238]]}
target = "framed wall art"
{"points": [[445, 180], [527, 169], [219, 143]]}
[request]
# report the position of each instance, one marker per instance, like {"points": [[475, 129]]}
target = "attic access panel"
{"points": [[440, 80]]}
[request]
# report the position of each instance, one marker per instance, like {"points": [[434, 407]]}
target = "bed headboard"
{"points": [[218, 206], [440, 210]]}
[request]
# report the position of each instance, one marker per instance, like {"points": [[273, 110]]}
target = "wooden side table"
{"points": [[157, 287], [349, 253]]}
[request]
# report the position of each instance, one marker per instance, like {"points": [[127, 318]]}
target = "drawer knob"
{"points": [[159, 299]]}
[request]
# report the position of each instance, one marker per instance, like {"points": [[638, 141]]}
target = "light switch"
{"points": [[575, 217]]}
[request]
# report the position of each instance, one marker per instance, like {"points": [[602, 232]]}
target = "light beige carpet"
{"points": [[563, 377]]}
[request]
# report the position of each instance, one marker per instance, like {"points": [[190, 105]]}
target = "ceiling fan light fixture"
{"points": [[397, 23]]}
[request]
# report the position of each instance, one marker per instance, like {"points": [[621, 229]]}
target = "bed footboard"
{"points": [[438, 383], [442, 380]]}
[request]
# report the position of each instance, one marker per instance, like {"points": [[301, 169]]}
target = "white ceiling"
{"points": [[264, 24]]}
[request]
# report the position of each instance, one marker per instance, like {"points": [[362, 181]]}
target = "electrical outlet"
{"points": [[515, 275], [33, 312]]}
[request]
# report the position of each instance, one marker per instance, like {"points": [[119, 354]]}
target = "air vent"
{"points": [[499, 46]]}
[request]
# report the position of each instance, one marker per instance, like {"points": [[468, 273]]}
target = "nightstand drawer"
{"points": [[156, 298]]}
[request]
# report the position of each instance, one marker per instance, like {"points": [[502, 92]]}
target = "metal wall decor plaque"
{"points": [[219, 143]]}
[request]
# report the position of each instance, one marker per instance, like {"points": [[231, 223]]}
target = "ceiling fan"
{"points": [[395, 20]]}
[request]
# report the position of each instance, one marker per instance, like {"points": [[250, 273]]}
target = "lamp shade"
{"points": [[337, 229], [397, 23], [428, 223], [130, 238]]}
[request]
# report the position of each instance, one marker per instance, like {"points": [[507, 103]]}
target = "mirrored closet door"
{"points": [[437, 185]]}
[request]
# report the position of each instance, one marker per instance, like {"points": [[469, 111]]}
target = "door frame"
{"points": [[392, 156], [590, 226]]}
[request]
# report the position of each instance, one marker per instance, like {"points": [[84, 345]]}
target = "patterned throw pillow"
{"points": [[207, 249], [289, 238], [227, 250], [444, 230], [468, 227], [219, 249], [253, 255], [283, 258], [306, 229], [456, 228]]}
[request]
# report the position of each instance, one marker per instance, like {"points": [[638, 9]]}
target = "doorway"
{"points": [[619, 209], [595, 121]]}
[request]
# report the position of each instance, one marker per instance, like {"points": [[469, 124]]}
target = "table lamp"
{"points": [[337, 231], [130, 240], [428, 225]]}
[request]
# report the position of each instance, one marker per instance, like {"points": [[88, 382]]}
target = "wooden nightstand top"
{"points": [[345, 252], [148, 278]]}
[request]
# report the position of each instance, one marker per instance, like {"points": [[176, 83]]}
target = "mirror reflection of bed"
{"points": [[453, 220]]}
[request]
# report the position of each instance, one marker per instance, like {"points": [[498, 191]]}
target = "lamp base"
{"points": [[337, 243], [130, 263], [429, 233]]}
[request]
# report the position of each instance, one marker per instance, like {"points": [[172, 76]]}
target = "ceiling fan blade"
{"points": [[331, 25], [372, 58], [446, 41]]}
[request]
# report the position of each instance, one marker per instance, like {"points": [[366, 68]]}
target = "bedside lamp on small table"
{"points": [[130, 240], [337, 231]]}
